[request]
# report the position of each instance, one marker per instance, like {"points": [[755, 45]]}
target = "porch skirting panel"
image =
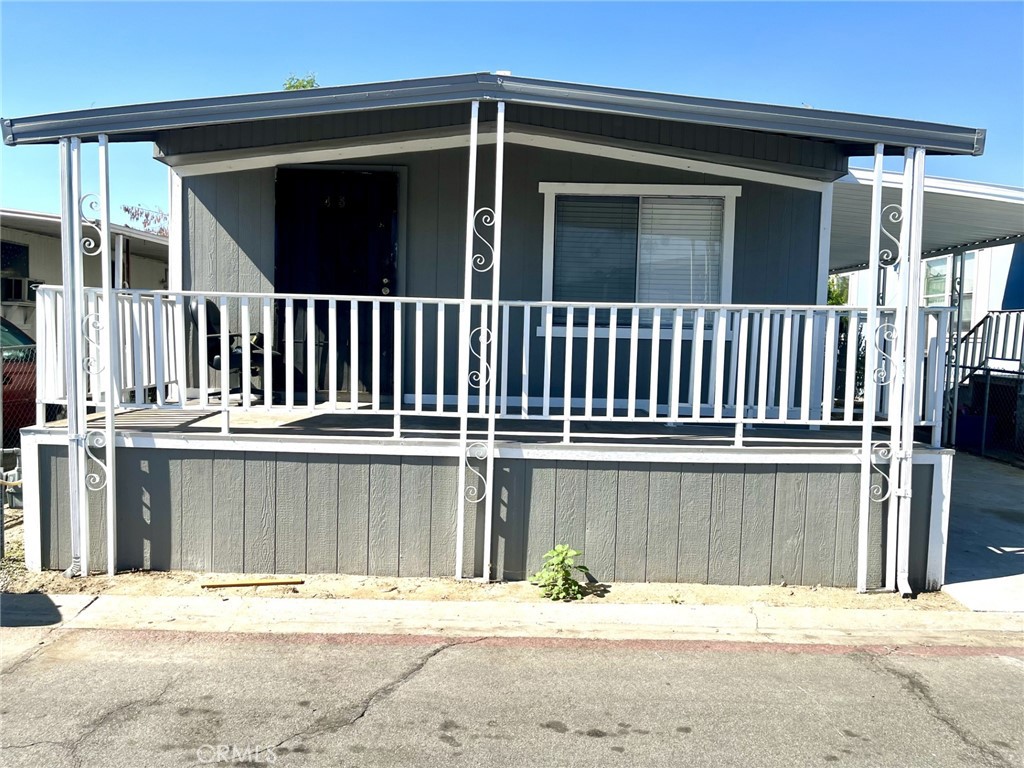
{"points": [[265, 512], [696, 523], [257, 512]]}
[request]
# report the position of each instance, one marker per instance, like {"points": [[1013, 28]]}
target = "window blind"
{"points": [[680, 254], [595, 248]]}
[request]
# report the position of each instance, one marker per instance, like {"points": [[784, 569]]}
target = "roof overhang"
{"points": [[48, 225], [142, 122], [958, 215]]}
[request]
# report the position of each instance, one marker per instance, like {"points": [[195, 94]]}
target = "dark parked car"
{"points": [[19, 381]]}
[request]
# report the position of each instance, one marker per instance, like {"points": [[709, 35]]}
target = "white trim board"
{"points": [[639, 190], [551, 190], [507, 449], [824, 242], [345, 150], [662, 161], [938, 532], [175, 232], [383, 145], [31, 513]]}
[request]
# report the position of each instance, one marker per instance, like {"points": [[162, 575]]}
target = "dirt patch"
{"points": [[14, 578]]}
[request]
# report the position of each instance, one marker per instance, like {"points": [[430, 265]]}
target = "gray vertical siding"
{"points": [[802, 156], [395, 516], [694, 523], [257, 512], [228, 242]]}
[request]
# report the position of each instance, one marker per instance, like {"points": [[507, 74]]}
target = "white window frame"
{"points": [[552, 189]]}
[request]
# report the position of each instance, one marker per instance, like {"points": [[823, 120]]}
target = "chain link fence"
{"points": [[19, 392], [990, 418]]}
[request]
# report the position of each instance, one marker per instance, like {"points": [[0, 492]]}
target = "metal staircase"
{"points": [[985, 392]]}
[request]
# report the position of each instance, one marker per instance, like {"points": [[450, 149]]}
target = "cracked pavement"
{"points": [[89, 697]]}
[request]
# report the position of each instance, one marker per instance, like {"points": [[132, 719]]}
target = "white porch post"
{"points": [[71, 252], [495, 330], [892, 363], [480, 339], [867, 491], [465, 319], [88, 351], [899, 375]]}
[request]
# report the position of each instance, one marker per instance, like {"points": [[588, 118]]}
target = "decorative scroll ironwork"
{"points": [[476, 488], [882, 489], [482, 262], [890, 256], [95, 440], [92, 244], [92, 324], [481, 377], [886, 335]]}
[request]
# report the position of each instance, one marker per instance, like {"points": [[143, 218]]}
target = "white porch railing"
{"points": [[557, 361]]}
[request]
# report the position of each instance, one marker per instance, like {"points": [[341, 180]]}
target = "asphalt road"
{"points": [[150, 698]]}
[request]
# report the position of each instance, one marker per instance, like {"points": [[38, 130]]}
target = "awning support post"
{"points": [[71, 258], [478, 338]]}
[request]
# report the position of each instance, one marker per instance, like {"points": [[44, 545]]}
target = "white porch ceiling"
{"points": [[956, 213]]}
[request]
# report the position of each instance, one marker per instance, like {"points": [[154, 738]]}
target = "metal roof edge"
{"points": [[144, 120], [9, 217]]}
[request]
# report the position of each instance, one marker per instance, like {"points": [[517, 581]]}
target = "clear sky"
{"points": [[958, 63]]}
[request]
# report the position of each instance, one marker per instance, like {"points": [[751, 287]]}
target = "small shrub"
{"points": [[557, 579]]}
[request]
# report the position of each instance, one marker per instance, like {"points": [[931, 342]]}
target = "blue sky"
{"points": [[961, 63]]}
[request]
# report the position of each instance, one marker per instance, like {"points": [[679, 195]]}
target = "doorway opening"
{"points": [[337, 234]]}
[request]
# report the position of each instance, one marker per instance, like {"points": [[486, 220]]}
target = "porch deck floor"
{"points": [[344, 425]]}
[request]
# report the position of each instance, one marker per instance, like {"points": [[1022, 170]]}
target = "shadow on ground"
{"points": [[29, 610]]}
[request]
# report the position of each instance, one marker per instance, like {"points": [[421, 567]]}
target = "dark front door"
{"points": [[337, 233]]}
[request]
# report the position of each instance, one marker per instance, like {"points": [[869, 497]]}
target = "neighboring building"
{"points": [[31, 256], [433, 327], [985, 286]]}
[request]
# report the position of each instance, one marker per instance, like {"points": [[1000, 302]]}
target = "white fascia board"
{"points": [[941, 186], [295, 154], [662, 161]]}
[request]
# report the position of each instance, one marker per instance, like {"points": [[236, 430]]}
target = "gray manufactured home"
{"points": [[433, 327]]}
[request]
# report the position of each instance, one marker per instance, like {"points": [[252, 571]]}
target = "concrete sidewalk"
{"points": [[985, 562], [754, 623]]}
